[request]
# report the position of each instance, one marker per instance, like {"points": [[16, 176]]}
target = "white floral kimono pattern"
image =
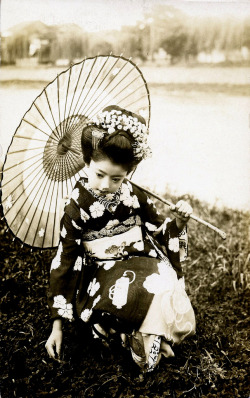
{"points": [[111, 272]]}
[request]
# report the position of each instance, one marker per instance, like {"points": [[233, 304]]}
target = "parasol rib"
{"points": [[46, 223], [86, 95], [32, 218], [66, 99], [23, 161], [132, 103], [33, 171], [113, 77], [24, 218], [109, 71], [68, 169], [12, 193], [75, 90], [55, 217], [80, 92], [28, 138], [82, 111], [72, 164], [107, 84], [24, 150], [85, 86], [58, 101], [103, 106], [37, 128], [128, 95], [38, 190], [45, 119], [56, 126], [4, 185]]}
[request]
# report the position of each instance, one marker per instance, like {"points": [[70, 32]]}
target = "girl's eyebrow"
{"points": [[103, 172]]}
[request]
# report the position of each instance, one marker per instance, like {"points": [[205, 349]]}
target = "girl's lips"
{"points": [[103, 192]]}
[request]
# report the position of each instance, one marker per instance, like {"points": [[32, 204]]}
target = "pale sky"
{"points": [[96, 15]]}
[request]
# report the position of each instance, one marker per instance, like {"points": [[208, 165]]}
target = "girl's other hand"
{"points": [[54, 342], [182, 211]]}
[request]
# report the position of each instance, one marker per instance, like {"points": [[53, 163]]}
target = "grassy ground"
{"points": [[211, 364]]}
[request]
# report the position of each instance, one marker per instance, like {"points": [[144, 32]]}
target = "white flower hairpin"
{"points": [[116, 120]]}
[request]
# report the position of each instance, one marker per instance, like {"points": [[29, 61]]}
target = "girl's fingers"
{"points": [[54, 343], [183, 209], [50, 349], [52, 354], [182, 214], [58, 349]]}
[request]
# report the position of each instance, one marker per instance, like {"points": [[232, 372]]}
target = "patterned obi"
{"points": [[113, 247]]}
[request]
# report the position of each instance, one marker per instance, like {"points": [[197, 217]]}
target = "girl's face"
{"points": [[104, 176]]}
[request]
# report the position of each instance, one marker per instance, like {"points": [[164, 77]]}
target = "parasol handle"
{"points": [[193, 217]]}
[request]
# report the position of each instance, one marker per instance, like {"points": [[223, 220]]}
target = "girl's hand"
{"points": [[182, 211], [54, 342]]}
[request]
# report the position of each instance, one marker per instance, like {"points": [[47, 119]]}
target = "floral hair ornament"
{"points": [[116, 120], [97, 136]]}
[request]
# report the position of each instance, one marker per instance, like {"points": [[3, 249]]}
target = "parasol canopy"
{"points": [[44, 159]]}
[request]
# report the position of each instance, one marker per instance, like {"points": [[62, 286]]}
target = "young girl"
{"points": [[117, 265]]}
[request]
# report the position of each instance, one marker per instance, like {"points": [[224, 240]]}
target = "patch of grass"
{"points": [[211, 364]]}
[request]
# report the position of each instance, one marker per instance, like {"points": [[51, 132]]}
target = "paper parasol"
{"points": [[44, 159]]}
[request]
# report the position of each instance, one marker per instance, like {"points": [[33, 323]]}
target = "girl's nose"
{"points": [[105, 184]]}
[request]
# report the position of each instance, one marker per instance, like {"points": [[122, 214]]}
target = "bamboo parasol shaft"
{"points": [[193, 217]]}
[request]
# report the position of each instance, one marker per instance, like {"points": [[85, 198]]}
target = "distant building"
{"points": [[216, 56], [34, 43]]}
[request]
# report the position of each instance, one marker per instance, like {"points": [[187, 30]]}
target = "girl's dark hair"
{"points": [[117, 147]]}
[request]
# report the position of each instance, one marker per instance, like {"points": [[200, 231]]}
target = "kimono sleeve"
{"points": [[150, 216], [65, 267], [173, 241]]}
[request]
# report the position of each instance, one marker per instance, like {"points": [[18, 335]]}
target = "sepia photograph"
{"points": [[125, 198]]}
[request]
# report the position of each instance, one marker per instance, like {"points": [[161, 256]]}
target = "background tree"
{"points": [[246, 33], [183, 37], [175, 44]]}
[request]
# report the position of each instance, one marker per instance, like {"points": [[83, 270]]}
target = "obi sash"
{"points": [[113, 247]]}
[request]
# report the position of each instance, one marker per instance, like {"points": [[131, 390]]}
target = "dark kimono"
{"points": [[112, 272]]}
